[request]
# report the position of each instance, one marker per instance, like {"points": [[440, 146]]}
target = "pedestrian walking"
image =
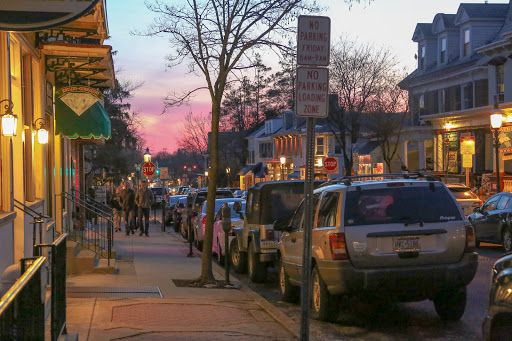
{"points": [[144, 200], [128, 205], [115, 203]]}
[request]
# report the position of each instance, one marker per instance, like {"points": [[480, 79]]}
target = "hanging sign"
{"points": [[35, 15]]}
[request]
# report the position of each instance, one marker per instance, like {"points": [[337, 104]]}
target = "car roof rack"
{"points": [[347, 180]]}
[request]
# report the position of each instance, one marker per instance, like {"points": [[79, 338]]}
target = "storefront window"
{"points": [[365, 165]]}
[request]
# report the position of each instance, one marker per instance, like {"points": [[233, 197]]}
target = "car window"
{"points": [[400, 204], [462, 193], [296, 222], [502, 204], [490, 204], [328, 209]]}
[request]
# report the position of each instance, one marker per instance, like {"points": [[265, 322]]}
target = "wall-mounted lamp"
{"points": [[449, 126], [9, 121], [42, 132]]}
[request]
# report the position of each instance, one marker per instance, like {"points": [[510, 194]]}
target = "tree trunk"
{"points": [[206, 268]]}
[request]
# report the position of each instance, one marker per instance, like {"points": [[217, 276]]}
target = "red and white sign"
{"points": [[149, 169], [313, 40], [331, 165], [312, 89]]}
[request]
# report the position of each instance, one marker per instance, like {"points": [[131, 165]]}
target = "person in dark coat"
{"points": [[144, 199], [115, 203], [128, 204]]}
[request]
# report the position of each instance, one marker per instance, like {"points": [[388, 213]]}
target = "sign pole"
{"points": [[308, 226]]}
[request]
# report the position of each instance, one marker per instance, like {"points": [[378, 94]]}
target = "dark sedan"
{"points": [[492, 221]]}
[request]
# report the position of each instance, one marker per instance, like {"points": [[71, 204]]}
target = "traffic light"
{"points": [[158, 171]]}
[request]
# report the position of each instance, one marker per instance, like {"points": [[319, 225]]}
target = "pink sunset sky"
{"points": [[388, 23]]}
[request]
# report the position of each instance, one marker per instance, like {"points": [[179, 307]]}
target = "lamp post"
{"points": [[283, 161], [206, 178], [147, 155], [496, 121], [228, 170]]}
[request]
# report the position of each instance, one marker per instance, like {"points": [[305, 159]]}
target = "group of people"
{"points": [[133, 207]]}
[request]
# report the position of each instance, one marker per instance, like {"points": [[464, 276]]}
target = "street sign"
{"points": [[467, 145], [148, 169], [313, 40], [331, 165], [164, 173], [467, 160], [312, 92]]}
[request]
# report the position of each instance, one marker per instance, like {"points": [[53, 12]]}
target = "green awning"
{"points": [[79, 113]]}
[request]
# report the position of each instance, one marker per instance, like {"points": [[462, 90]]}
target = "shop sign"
{"points": [[507, 157], [164, 173], [100, 192], [467, 145], [35, 15]]}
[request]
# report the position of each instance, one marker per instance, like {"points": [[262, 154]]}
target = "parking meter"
{"points": [[226, 227]]}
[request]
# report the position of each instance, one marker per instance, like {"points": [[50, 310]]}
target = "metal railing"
{"points": [[57, 257], [37, 219], [22, 307], [92, 226], [104, 208]]}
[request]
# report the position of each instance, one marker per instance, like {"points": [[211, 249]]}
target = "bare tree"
{"points": [[216, 38], [362, 76], [194, 133]]}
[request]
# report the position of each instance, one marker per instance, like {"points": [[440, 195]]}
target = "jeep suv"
{"points": [[388, 239]]}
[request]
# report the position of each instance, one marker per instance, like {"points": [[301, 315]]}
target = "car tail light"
{"points": [[269, 234], [167, 196], [338, 246], [470, 238], [231, 233], [204, 221]]}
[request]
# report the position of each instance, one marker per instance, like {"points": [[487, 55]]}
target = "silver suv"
{"points": [[392, 239]]}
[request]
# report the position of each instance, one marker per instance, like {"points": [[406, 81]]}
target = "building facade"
{"points": [[35, 68], [463, 68]]}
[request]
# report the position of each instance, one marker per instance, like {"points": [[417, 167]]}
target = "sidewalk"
{"points": [[126, 305]]}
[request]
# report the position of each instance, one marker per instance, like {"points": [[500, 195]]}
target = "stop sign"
{"points": [[331, 164], [148, 169]]}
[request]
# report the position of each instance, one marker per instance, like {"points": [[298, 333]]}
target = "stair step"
{"points": [[102, 266]]}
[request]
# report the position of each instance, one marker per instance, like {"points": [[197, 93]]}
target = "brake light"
{"points": [[470, 245], [338, 246], [204, 221], [269, 234]]}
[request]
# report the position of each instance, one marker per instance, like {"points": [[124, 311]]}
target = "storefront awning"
{"points": [[79, 113]]}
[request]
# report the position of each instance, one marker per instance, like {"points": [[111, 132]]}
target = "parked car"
{"points": [[390, 239], [492, 221], [199, 220], [237, 220], [255, 244], [497, 324], [178, 212], [194, 203], [159, 195], [182, 190], [465, 197], [171, 208]]}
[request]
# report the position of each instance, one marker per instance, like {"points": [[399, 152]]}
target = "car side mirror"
{"points": [[282, 225]]}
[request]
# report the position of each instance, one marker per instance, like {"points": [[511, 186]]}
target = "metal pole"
{"points": [[308, 225], [163, 215], [190, 253], [496, 148], [226, 256]]}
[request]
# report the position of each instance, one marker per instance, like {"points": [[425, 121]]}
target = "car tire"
{"points": [[450, 304], [220, 257], [289, 292], [324, 306], [237, 257], [500, 329], [256, 269], [507, 239]]}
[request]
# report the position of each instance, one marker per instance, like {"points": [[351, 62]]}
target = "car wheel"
{"points": [[500, 329], [450, 304], [507, 239], [238, 258], [256, 269], [289, 292], [324, 306], [220, 257]]}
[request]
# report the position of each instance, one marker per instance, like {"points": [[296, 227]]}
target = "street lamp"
{"points": [[9, 121], [147, 155], [42, 133], [283, 161], [228, 170], [206, 178], [496, 121]]}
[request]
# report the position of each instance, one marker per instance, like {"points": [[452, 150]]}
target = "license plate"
{"points": [[268, 243], [406, 243]]}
